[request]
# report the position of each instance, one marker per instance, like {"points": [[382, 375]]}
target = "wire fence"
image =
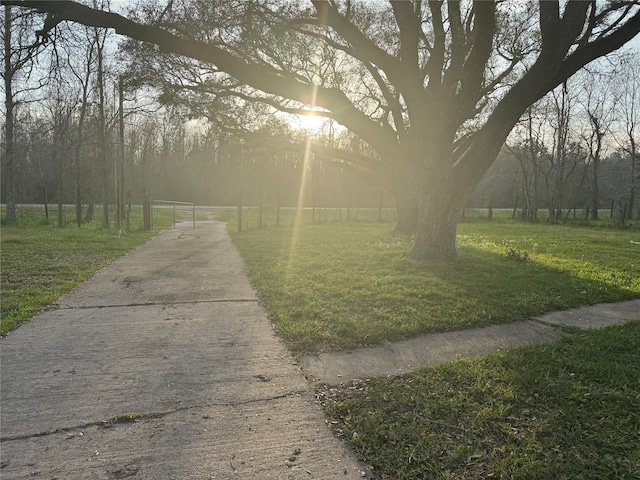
{"points": [[165, 213], [249, 218]]}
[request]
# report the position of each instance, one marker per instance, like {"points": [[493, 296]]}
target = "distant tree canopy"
{"points": [[433, 88]]}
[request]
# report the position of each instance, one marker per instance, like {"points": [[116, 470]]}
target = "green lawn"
{"points": [[336, 286], [40, 262], [567, 410]]}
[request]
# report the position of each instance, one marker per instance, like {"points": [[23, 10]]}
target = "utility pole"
{"points": [[120, 178]]}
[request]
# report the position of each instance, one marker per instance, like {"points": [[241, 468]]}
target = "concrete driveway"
{"points": [[162, 366]]}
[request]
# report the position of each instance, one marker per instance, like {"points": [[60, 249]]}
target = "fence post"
{"points": [[193, 215], [146, 210], [240, 211], [611, 215]]}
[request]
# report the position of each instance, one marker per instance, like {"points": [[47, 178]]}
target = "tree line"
{"points": [[85, 133], [576, 148]]}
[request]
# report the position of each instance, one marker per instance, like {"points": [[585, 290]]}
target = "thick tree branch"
{"points": [[473, 72], [328, 15], [393, 102], [264, 79], [408, 22], [435, 64], [547, 73], [459, 47]]}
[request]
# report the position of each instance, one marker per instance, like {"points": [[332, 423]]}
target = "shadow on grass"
{"points": [[498, 287], [343, 287]]}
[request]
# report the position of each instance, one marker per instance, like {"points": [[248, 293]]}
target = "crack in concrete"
{"points": [[134, 417], [151, 304]]}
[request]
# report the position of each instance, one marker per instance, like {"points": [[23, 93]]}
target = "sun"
{"points": [[310, 122]]}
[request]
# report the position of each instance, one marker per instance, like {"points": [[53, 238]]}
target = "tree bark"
{"points": [[438, 204], [59, 159], [9, 105], [594, 188], [632, 190], [437, 224], [121, 176], [102, 141], [80, 140]]}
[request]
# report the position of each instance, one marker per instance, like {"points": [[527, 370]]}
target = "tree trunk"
{"points": [[128, 215], [76, 158], [438, 209], [78, 196], [121, 176], [46, 202], [594, 189], [60, 177], [9, 104], [595, 193], [634, 173], [102, 141], [436, 234]]}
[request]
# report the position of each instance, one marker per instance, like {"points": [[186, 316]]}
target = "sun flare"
{"points": [[310, 122]]}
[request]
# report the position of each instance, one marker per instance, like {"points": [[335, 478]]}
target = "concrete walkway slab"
{"points": [[594, 316], [162, 366], [335, 368]]}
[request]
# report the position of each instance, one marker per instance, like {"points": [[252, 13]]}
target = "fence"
{"points": [[251, 218], [183, 214], [163, 216], [179, 213], [49, 214], [248, 218]]}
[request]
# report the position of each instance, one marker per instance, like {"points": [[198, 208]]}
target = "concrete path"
{"points": [[171, 336], [335, 368]]}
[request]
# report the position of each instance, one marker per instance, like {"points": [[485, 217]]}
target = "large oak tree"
{"points": [[434, 88]]}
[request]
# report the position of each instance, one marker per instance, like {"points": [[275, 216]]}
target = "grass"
{"points": [[567, 410], [40, 262], [125, 418], [337, 286]]}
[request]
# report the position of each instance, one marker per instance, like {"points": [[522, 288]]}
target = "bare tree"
{"points": [[19, 52], [598, 102], [546, 145], [528, 147], [566, 153], [59, 110], [81, 64], [627, 131]]}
